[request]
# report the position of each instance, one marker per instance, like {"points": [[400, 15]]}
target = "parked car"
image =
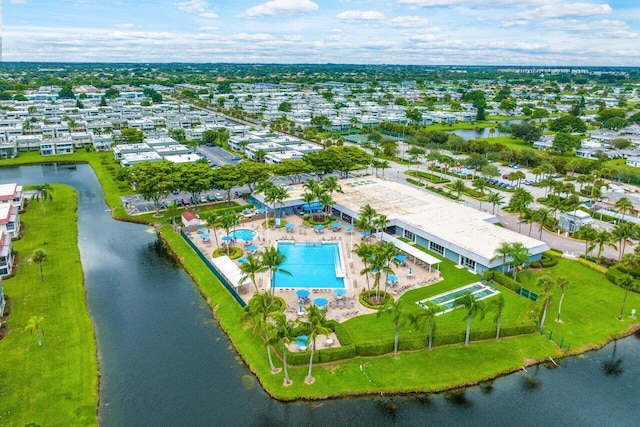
{"points": [[527, 182], [203, 199], [505, 176], [218, 196], [211, 198]]}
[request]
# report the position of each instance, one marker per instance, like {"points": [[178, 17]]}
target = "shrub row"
{"points": [[414, 182], [502, 279], [365, 295], [441, 192], [592, 265], [617, 272]]}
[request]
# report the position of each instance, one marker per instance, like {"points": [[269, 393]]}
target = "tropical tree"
{"points": [[283, 333], [382, 256], [547, 284], [624, 205], [380, 224], [497, 304], [503, 251], [427, 316], [495, 198], [272, 259], [268, 189], [250, 268], [315, 325], [563, 284], [256, 314], [602, 239], [229, 220], [365, 252], [542, 216], [588, 234], [34, 325], [624, 232], [519, 256], [458, 186], [626, 282], [473, 307], [213, 220], [398, 313], [39, 256], [42, 195]]}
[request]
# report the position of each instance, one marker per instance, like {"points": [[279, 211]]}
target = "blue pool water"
{"points": [[243, 234], [312, 265]]}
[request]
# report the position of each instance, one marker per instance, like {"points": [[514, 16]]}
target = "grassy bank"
{"points": [[56, 384]]}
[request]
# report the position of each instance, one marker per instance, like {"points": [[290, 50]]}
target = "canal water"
{"points": [[165, 362]]}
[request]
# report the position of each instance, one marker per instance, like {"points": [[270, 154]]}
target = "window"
{"points": [[436, 248], [409, 235], [469, 263]]}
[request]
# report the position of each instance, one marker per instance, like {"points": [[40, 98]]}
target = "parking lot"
{"points": [[217, 156]]}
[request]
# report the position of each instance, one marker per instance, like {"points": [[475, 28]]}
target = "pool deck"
{"points": [[340, 308]]}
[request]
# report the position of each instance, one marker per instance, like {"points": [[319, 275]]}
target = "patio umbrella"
{"points": [[319, 226], [365, 233], [252, 247], [202, 229], [289, 225], [392, 278], [320, 302], [302, 340], [206, 235], [227, 238], [243, 260], [248, 238], [335, 224], [302, 293], [340, 292], [348, 227], [401, 258]]}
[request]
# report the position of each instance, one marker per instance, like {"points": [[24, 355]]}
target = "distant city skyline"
{"points": [[430, 32]]}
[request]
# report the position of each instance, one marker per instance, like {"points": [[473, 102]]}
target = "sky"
{"points": [[423, 32]]}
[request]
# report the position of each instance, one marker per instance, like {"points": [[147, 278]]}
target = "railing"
{"points": [[337, 261], [560, 341], [215, 271]]}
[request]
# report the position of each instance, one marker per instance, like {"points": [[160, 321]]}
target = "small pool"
{"points": [[312, 265], [243, 234], [447, 299]]}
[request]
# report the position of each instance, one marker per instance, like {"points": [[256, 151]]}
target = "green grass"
{"points": [[507, 141], [56, 384], [461, 126]]}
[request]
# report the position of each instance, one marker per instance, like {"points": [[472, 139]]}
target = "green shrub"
{"points": [[502, 279], [414, 182], [336, 353], [592, 265], [365, 295], [617, 272], [342, 335], [374, 348], [548, 261], [301, 357], [417, 342], [234, 252]]}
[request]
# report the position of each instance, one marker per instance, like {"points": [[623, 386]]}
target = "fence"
{"points": [[558, 340], [528, 294], [215, 272]]}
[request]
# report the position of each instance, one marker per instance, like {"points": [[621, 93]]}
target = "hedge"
{"points": [[502, 279], [301, 357], [592, 265], [617, 272], [336, 353], [414, 182], [417, 342], [364, 298], [374, 348]]}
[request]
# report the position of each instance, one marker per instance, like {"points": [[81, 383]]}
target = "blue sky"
{"points": [[473, 32]]}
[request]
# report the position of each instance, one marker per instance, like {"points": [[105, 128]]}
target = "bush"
{"points": [[417, 342], [548, 261], [301, 357], [365, 295], [414, 182], [336, 353], [342, 335], [592, 265], [502, 279], [374, 348], [234, 252]]}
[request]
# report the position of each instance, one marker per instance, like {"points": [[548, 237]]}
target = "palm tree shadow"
{"points": [[387, 408], [458, 398], [612, 367]]}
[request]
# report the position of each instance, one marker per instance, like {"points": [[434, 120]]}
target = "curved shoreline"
{"points": [[251, 353]]}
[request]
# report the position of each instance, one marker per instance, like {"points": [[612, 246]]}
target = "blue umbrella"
{"points": [[348, 227], [302, 293], [206, 235], [335, 224], [366, 233], [319, 226], [302, 340], [401, 258], [392, 278], [247, 238], [227, 238], [252, 247], [243, 260], [289, 225], [320, 302], [202, 229], [340, 292]]}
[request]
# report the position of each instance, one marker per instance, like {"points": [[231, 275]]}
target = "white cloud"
{"points": [[598, 29], [477, 3], [201, 7], [125, 26], [278, 7], [515, 23], [565, 9], [407, 21], [361, 15]]}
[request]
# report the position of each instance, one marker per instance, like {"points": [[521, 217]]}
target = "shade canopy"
{"points": [[252, 248], [348, 227], [247, 238], [302, 340], [366, 233], [302, 293], [315, 206], [401, 258], [243, 260], [319, 226], [335, 224], [227, 238], [340, 292], [289, 225], [206, 235], [392, 277], [320, 302], [202, 229]]}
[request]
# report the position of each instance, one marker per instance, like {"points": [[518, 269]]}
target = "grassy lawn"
{"points": [[591, 304], [507, 141], [56, 384]]}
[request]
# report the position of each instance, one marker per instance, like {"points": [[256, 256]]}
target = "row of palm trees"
{"points": [[266, 320], [321, 192]]}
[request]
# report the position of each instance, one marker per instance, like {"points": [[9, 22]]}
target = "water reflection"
{"points": [[613, 365]]}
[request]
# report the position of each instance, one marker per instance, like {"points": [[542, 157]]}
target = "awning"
{"points": [[229, 270], [410, 250]]}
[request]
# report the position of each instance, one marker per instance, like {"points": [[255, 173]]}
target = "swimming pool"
{"points": [[243, 234], [312, 265], [447, 299]]}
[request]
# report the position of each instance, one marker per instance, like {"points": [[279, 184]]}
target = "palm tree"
{"points": [[588, 234], [34, 325], [519, 256], [427, 316], [602, 239], [39, 256], [315, 325], [380, 224], [495, 198], [626, 282], [563, 284], [502, 251], [268, 189], [542, 216], [280, 194], [547, 284], [283, 333], [382, 256], [458, 186], [623, 233], [365, 252], [43, 195], [228, 220], [330, 185], [473, 307], [272, 259], [498, 305], [213, 220], [398, 314], [256, 314], [250, 268], [623, 206]]}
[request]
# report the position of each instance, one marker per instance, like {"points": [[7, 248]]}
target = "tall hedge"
{"points": [[502, 279]]}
